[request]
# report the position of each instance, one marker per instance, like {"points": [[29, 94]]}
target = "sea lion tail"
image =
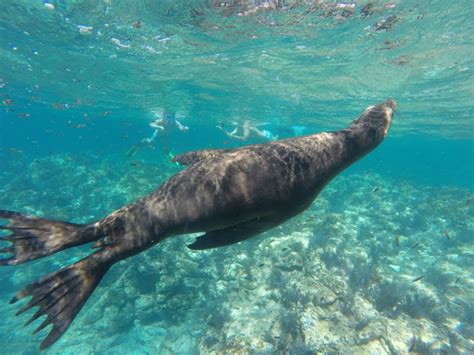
{"points": [[61, 294], [33, 238]]}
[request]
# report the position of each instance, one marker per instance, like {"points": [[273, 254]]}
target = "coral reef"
{"points": [[342, 277]]}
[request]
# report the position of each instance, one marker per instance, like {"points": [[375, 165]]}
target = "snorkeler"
{"points": [[248, 130], [166, 122], [163, 124]]}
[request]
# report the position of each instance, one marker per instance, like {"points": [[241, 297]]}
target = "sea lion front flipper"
{"points": [[198, 155], [231, 235]]}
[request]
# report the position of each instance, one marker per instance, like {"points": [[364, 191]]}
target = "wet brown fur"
{"points": [[231, 195]]}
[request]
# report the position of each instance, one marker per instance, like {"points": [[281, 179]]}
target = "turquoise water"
{"points": [[79, 82]]}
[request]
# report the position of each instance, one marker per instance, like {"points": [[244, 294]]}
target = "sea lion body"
{"points": [[231, 195], [246, 191], [273, 182]]}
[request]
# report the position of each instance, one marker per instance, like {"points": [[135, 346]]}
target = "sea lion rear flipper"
{"points": [[61, 294], [230, 235], [198, 155], [33, 238]]}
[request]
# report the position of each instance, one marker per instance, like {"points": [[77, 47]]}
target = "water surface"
{"points": [[79, 81]]}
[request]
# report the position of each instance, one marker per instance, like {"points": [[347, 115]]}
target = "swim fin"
{"points": [[133, 150]]}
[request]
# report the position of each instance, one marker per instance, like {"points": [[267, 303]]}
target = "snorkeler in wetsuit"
{"points": [[248, 130], [163, 125]]}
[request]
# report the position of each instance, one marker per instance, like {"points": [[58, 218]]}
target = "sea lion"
{"points": [[230, 195]]}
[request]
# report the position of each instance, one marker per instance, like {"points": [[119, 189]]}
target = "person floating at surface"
{"points": [[163, 125], [248, 130]]}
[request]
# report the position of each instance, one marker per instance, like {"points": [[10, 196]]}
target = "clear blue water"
{"points": [[75, 99]]}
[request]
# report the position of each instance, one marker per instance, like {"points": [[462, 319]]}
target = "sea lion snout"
{"points": [[389, 106], [376, 120], [392, 104], [378, 116]]}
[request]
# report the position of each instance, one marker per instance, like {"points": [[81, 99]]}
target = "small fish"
{"points": [[58, 106], [388, 45], [386, 23], [446, 234], [24, 115], [415, 245], [79, 126], [134, 163], [367, 10], [376, 189], [85, 30], [418, 278], [260, 265], [15, 150], [137, 24], [284, 249], [7, 102], [397, 241], [469, 201], [457, 280]]}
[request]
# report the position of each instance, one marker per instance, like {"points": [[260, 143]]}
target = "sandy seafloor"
{"points": [[338, 278]]}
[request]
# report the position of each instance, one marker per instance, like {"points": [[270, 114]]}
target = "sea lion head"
{"points": [[376, 120]]}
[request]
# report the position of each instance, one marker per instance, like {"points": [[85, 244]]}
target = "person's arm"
{"points": [[181, 127], [233, 134], [158, 124], [221, 128]]}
